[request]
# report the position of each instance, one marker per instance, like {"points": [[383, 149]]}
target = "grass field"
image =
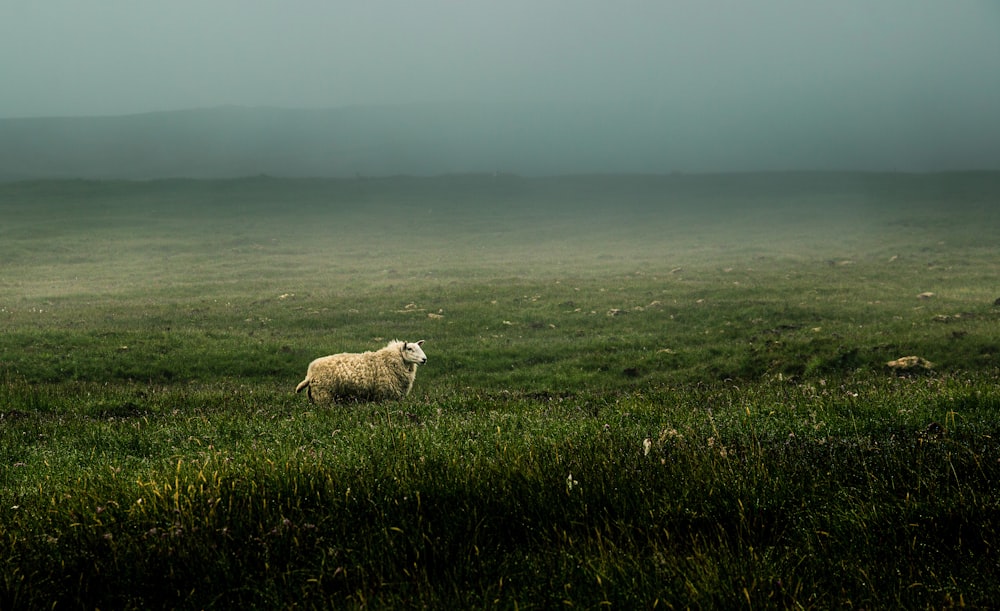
{"points": [[641, 392]]}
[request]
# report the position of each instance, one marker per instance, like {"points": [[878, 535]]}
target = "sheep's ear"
{"points": [[404, 345], [420, 343]]}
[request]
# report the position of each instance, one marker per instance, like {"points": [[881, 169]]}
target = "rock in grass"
{"points": [[910, 364]]}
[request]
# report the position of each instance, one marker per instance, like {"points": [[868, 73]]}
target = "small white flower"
{"points": [[570, 482], [647, 445]]}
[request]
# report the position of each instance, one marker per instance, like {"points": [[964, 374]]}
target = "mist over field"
{"points": [[311, 89]]}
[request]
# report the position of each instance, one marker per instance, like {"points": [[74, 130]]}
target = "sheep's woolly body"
{"points": [[381, 375]]}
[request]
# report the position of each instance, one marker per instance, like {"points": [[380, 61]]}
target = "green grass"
{"points": [[641, 392]]}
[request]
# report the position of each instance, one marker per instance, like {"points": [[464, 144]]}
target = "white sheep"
{"points": [[370, 376]]}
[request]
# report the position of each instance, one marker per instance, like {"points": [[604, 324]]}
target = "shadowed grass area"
{"points": [[641, 391], [794, 494]]}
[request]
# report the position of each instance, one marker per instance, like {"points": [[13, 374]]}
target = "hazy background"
{"points": [[532, 87]]}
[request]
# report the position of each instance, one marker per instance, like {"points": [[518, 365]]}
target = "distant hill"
{"points": [[365, 140], [236, 141], [222, 142]]}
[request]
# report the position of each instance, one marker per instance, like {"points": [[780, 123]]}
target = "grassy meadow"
{"points": [[641, 392]]}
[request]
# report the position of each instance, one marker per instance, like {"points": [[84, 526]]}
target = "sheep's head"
{"points": [[413, 353]]}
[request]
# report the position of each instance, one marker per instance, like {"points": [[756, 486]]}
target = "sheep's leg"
{"points": [[309, 391]]}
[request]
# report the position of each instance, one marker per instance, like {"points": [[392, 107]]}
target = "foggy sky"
{"points": [[930, 64]]}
